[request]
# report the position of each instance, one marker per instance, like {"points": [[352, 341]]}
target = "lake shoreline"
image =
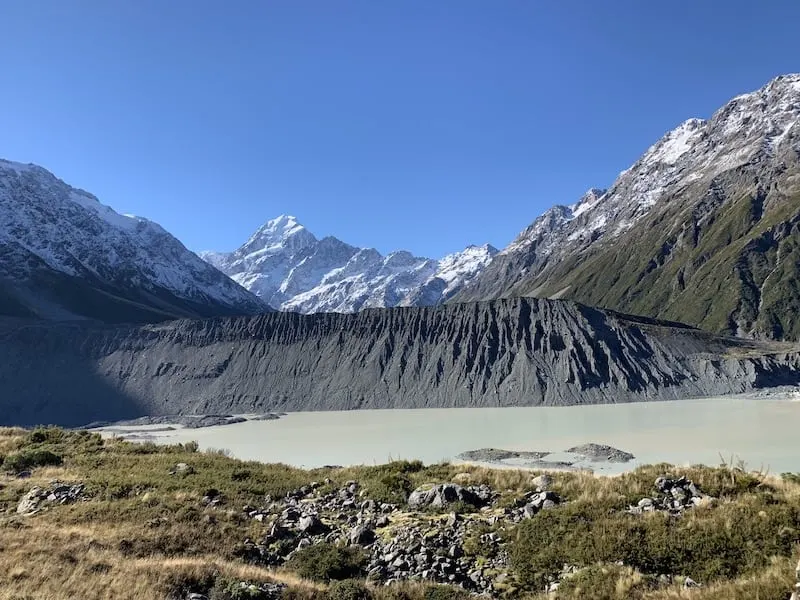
{"points": [[757, 429]]}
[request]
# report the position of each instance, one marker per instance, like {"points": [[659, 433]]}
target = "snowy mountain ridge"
{"points": [[289, 268], [708, 190], [50, 230]]}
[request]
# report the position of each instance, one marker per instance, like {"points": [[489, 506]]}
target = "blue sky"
{"points": [[424, 125]]}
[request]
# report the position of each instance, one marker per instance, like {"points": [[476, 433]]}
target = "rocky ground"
{"points": [[445, 533]]}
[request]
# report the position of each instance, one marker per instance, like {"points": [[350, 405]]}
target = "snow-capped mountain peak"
{"points": [[288, 267], [276, 234]]}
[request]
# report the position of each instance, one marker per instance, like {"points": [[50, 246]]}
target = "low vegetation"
{"points": [[144, 529]]}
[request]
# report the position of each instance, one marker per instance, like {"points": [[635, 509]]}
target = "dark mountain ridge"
{"points": [[511, 352]]}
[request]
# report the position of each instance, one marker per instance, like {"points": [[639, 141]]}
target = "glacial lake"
{"points": [[763, 432]]}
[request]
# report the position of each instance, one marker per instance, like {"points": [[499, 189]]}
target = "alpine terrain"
{"points": [[704, 228], [64, 255], [511, 352], [288, 267]]}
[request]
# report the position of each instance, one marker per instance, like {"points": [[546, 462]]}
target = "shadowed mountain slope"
{"points": [[513, 352]]}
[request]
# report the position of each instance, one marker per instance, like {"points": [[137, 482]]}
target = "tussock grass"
{"points": [[144, 532]]}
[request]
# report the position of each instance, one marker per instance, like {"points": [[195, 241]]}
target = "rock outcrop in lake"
{"points": [[508, 352]]}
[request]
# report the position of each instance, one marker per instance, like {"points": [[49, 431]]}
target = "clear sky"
{"points": [[424, 125]]}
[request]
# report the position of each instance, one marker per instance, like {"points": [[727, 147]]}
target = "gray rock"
{"points": [[311, 524], [376, 573], [440, 495], [361, 536], [29, 503], [663, 484], [290, 515], [182, 469], [304, 542], [679, 494], [542, 482]]}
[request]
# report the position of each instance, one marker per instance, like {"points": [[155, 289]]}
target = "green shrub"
{"points": [[190, 446], [349, 589], [180, 584], [445, 592], [240, 474], [45, 435], [708, 545], [791, 477], [142, 448], [30, 459], [233, 589], [327, 562], [605, 582]]}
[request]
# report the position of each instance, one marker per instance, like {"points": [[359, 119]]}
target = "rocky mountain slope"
{"points": [[288, 267], [63, 256], [499, 353], [704, 228]]}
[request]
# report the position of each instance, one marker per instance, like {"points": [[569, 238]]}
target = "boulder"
{"points": [[361, 536], [440, 495], [29, 504], [182, 469], [690, 583], [542, 482], [311, 525]]}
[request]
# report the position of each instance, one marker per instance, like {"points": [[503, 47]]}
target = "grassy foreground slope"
{"points": [[141, 528]]}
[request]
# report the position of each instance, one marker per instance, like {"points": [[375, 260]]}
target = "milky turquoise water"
{"points": [[765, 433]]}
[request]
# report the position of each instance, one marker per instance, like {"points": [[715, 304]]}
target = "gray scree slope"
{"points": [[508, 352]]}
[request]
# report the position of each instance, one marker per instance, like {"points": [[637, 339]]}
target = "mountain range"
{"points": [[702, 229], [65, 256], [286, 266]]}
